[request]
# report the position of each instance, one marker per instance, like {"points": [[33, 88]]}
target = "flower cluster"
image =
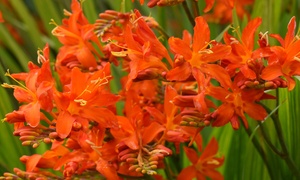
{"points": [[167, 96]]}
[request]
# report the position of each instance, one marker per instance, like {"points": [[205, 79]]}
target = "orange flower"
{"points": [[153, 3], [202, 56], [77, 35], [237, 102], [222, 11], [169, 121], [87, 96], [204, 165], [143, 49], [286, 59], [37, 93], [242, 55]]}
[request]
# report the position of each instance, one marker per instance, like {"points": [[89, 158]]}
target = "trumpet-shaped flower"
{"points": [[37, 93], [286, 59], [203, 166], [203, 55]]}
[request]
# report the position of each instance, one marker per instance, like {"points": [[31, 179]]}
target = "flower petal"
{"points": [[32, 114], [289, 37], [201, 34], [179, 46], [271, 72], [187, 173], [64, 124], [255, 111], [152, 131], [248, 33], [191, 154], [224, 114]]}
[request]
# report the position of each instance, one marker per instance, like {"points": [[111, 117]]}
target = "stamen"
{"points": [[81, 102]]}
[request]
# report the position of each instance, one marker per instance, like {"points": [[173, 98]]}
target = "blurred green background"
{"points": [[26, 28]]}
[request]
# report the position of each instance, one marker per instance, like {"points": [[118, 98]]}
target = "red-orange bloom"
{"points": [[37, 92], [222, 11], [144, 50], [76, 34], [87, 96], [203, 166], [201, 56], [237, 102], [168, 119], [286, 59], [242, 54]]}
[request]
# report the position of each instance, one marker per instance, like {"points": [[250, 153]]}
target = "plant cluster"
{"points": [[170, 92]]}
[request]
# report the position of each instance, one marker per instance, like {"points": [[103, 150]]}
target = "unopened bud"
{"points": [[138, 169], [134, 167], [26, 143], [153, 163], [76, 126], [35, 145], [184, 101], [27, 138], [131, 160], [154, 166], [29, 133], [53, 135], [47, 140]]}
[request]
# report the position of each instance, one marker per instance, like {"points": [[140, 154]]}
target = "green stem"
{"points": [[261, 152], [162, 32], [267, 139], [285, 154], [188, 13], [196, 8]]}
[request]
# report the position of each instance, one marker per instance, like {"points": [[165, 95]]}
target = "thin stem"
{"points": [[162, 32], [188, 13], [196, 8], [267, 139], [261, 152], [285, 154]]}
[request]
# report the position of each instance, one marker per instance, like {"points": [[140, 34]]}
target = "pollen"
{"points": [[81, 102], [213, 161]]}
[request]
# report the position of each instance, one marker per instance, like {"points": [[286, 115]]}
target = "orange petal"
{"points": [[191, 154], [85, 57], [247, 72], [271, 72], [187, 173], [64, 124], [158, 115], [179, 73], [209, 5], [103, 116], [213, 174], [224, 114], [291, 83], [179, 46], [152, 131], [249, 31], [106, 169], [169, 107], [32, 162], [289, 37], [210, 150], [32, 114], [218, 73], [201, 34], [255, 111]]}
